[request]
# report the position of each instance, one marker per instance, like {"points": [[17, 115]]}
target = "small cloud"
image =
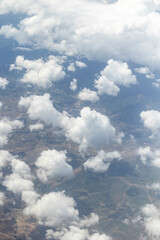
{"points": [[88, 95], [73, 84]]}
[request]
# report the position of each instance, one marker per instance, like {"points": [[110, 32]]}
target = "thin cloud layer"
{"points": [[39, 72]]}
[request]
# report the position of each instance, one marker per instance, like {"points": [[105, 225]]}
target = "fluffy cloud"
{"points": [[20, 180], [151, 120], [78, 231], [41, 108], [54, 209], [35, 127], [94, 29], [144, 153], [6, 128], [91, 129], [71, 67], [73, 84], [75, 233], [29, 197], [88, 95], [52, 164], [115, 73], [151, 221], [39, 72], [100, 163], [148, 154], [5, 158], [3, 82]]}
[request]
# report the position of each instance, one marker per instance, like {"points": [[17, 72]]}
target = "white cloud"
{"points": [[20, 180], [144, 153], [91, 129], [156, 83], [71, 67], [94, 29], [101, 162], [78, 232], [151, 120], [2, 198], [143, 70], [35, 127], [3, 82], [39, 72], [41, 108], [5, 158], [54, 209], [73, 84], [29, 197], [148, 154], [52, 164], [80, 64], [115, 73], [75, 233], [89, 221], [88, 95], [6, 128], [151, 221]]}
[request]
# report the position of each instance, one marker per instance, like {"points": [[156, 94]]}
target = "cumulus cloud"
{"points": [[21, 179], [151, 120], [151, 221], [29, 197], [78, 231], [88, 95], [71, 67], [91, 129], [35, 127], [73, 84], [3, 82], [39, 72], [41, 108], [54, 209], [75, 233], [6, 128], [101, 162], [93, 29], [148, 154], [5, 158], [144, 153], [115, 73], [53, 164]]}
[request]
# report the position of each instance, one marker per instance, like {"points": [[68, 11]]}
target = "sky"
{"points": [[116, 44]]}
